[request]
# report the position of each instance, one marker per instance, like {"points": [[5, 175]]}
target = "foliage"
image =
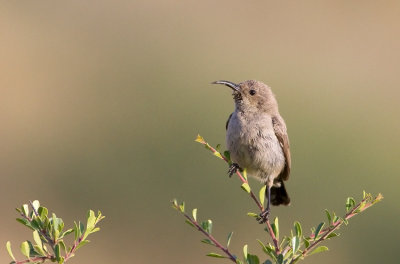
{"points": [[291, 248], [49, 233]]}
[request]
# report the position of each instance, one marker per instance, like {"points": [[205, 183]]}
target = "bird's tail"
{"points": [[279, 195]]}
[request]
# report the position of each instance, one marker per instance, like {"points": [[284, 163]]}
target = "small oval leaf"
{"points": [[245, 186], [215, 255], [319, 250], [262, 195], [25, 249], [8, 246]]}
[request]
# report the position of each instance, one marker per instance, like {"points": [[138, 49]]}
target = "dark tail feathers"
{"points": [[279, 195]]}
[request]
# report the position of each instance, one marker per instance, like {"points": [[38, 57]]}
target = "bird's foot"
{"points": [[233, 168], [263, 217]]}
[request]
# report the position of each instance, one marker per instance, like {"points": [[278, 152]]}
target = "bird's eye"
{"points": [[252, 92]]}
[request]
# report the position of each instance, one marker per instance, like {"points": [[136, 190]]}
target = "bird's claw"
{"points": [[263, 217], [233, 168]]}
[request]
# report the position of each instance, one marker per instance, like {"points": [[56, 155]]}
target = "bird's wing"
{"points": [[227, 122], [281, 133]]}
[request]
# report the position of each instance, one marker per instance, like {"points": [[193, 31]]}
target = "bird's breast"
{"points": [[252, 144]]}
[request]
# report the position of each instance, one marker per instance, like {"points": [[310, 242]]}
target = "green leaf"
{"points": [[8, 246], [25, 249], [279, 259], [39, 250], [81, 228], [76, 231], [61, 261], [57, 252], [245, 252], [350, 203], [306, 242], [62, 246], [208, 242], [25, 222], [227, 155], [69, 231], [36, 205], [318, 250], [252, 259], [174, 204], [217, 154], [328, 215], [94, 230], [252, 214], [335, 218], [43, 212], [262, 194], [298, 229], [182, 207], [275, 228], [207, 226], [25, 209], [189, 223], [35, 223], [229, 239], [332, 235], [318, 230], [82, 243], [194, 213], [32, 250], [37, 239], [295, 244], [215, 255], [268, 250], [99, 217], [245, 174], [245, 186], [218, 148]]}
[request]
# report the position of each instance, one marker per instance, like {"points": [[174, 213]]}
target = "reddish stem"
{"points": [[209, 236]]}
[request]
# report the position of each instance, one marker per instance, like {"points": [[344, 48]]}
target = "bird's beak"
{"points": [[231, 85]]}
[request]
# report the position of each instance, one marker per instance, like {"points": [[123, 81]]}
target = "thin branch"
{"points": [[209, 236], [327, 231], [71, 252], [274, 239]]}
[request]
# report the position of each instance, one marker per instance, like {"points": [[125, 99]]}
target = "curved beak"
{"points": [[231, 85]]}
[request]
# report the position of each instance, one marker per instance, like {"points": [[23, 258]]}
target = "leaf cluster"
{"points": [[291, 248], [49, 234]]}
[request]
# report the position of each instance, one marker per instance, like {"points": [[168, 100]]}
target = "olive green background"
{"points": [[100, 103]]}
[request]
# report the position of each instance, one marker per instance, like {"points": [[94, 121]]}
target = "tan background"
{"points": [[100, 102]]}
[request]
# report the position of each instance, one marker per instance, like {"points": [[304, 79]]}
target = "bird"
{"points": [[257, 139]]}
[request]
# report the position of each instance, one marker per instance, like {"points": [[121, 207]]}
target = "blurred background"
{"points": [[100, 103]]}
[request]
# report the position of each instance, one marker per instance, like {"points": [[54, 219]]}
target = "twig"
{"points": [[272, 234], [327, 231], [209, 236]]}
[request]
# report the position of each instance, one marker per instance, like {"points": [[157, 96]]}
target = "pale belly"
{"points": [[255, 148]]}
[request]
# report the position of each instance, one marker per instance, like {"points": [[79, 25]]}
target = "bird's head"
{"points": [[252, 96]]}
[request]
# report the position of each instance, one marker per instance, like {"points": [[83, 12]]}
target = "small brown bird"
{"points": [[257, 139]]}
